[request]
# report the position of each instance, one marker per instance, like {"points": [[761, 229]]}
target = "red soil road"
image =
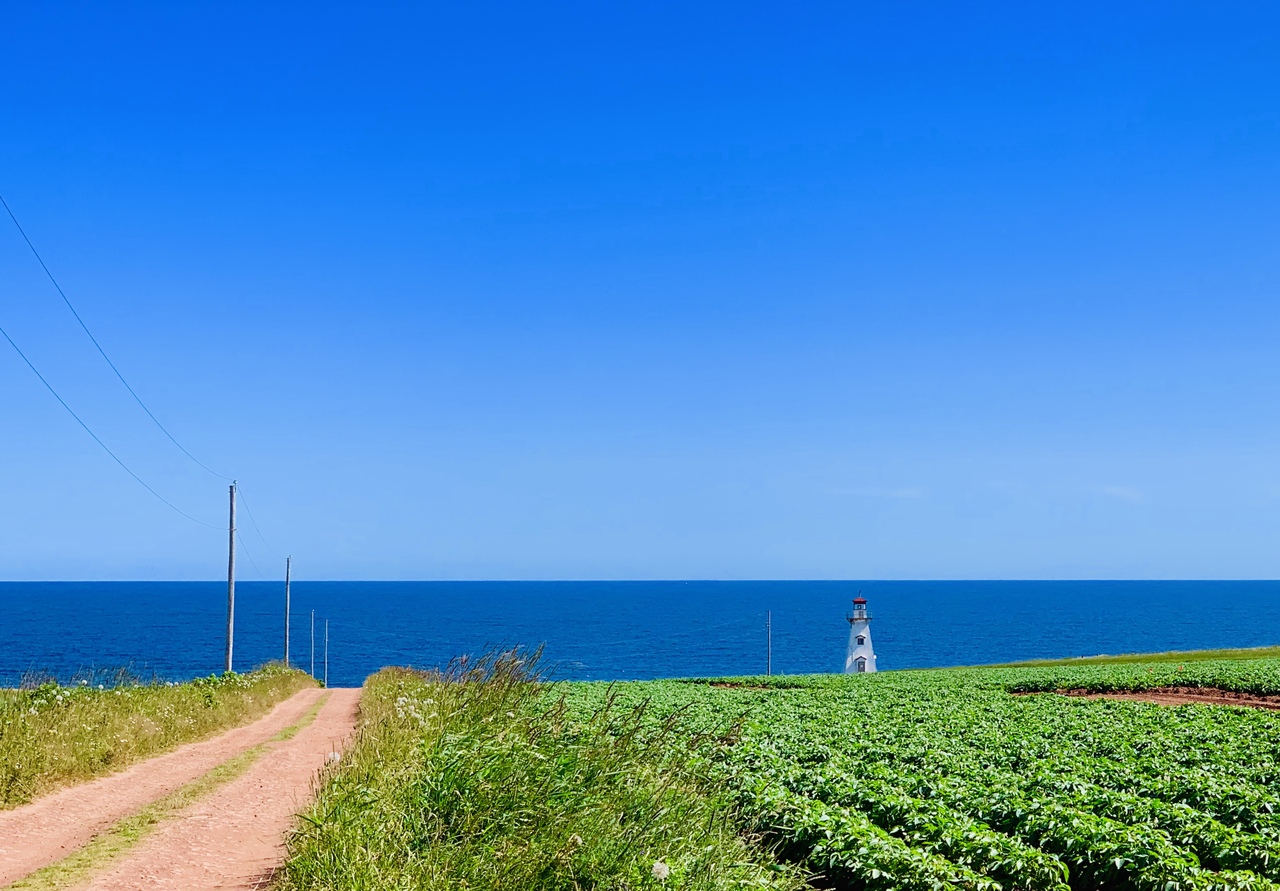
{"points": [[55, 825], [234, 837]]}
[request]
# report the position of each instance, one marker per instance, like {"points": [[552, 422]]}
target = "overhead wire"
{"points": [[101, 351], [252, 562], [96, 438], [247, 510]]}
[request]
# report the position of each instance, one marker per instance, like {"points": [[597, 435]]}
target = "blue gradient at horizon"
{"points": [[618, 630]]}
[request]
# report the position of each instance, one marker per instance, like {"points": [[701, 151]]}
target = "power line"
{"points": [[113, 455], [252, 562], [132, 392], [103, 352], [240, 491]]}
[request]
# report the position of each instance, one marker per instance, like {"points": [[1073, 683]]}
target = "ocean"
{"points": [[616, 630]]}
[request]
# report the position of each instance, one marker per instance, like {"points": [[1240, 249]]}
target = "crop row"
{"points": [[944, 780], [928, 825]]}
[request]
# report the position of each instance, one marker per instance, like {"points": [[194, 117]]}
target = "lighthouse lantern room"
{"points": [[860, 659]]}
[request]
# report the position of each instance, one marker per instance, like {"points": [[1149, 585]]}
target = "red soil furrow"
{"points": [[234, 838], [1183, 696], [51, 827]]}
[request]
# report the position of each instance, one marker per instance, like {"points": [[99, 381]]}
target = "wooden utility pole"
{"points": [[768, 632], [288, 563], [313, 643], [231, 578], [326, 652]]}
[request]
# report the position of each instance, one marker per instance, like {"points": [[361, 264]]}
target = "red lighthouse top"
{"points": [[859, 600]]}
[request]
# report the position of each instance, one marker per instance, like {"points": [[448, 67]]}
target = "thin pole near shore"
{"points": [[288, 564], [326, 652], [313, 643], [231, 579]]}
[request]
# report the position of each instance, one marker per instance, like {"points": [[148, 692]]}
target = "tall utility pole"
{"points": [[288, 562], [326, 652], [768, 633], [231, 578], [313, 643]]}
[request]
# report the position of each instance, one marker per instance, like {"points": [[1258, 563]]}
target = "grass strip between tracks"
{"points": [[109, 846]]}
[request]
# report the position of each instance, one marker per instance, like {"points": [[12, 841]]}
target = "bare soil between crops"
{"points": [[1182, 696]]}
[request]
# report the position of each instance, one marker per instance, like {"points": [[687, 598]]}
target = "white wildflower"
{"points": [[661, 871]]}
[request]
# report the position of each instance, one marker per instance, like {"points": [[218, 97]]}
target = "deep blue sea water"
{"points": [[617, 630]]}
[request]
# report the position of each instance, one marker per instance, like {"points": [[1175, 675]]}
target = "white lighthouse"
{"points": [[861, 659]]}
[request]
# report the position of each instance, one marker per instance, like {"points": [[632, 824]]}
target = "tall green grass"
{"points": [[479, 778], [53, 735]]}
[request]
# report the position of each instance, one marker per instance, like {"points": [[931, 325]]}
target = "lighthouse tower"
{"points": [[861, 659]]}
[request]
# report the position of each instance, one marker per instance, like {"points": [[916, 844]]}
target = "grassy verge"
{"points": [[478, 778], [110, 846], [54, 736]]}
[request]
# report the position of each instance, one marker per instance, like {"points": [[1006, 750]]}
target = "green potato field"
{"points": [[982, 779]]}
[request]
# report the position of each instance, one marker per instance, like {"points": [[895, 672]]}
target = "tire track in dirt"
{"points": [[234, 837], [53, 826]]}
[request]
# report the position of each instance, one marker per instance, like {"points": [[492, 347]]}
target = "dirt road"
{"points": [[234, 838], [227, 840], [50, 828]]}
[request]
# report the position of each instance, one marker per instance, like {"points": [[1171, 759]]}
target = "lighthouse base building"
{"points": [[861, 659]]}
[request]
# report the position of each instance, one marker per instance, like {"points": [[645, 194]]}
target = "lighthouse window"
{"points": [[861, 640]]}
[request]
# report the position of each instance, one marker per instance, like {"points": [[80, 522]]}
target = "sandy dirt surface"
{"points": [[234, 838], [51, 827], [1186, 696]]}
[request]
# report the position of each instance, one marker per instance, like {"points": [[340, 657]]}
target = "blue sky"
{"points": [[646, 291]]}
